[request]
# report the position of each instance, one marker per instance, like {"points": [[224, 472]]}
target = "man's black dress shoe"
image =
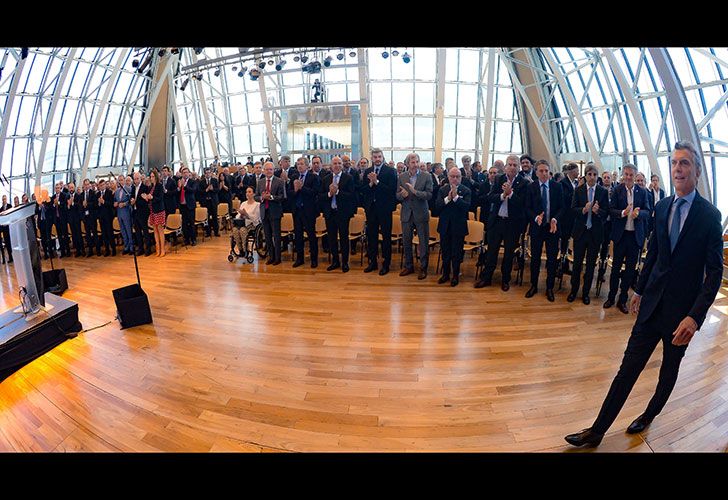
{"points": [[586, 438], [639, 424], [586, 300], [622, 308], [608, 303], [454, 282], [383, 271], [531, 292], [345, 268], [297, 263], [571, 297], [550, 295], [482, 283], [371, 267], [505, 287], [333, 266], [443, 279]]}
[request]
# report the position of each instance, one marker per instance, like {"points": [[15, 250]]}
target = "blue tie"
{"points": [[544, 202], [588, 217], [675, 229], [333, 198]]}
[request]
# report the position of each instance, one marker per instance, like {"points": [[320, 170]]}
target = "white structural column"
{"points": [[101, 111], [683, 117], [178, 125], [152, 99], [364, 97], [51, 112], [17, 73], [440, 102], [633, 106], [575, 110], [489, 95], [272, 150], [203, 105]]}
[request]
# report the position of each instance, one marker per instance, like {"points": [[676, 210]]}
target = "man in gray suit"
{"points": [[414, 189], [269, 193]]}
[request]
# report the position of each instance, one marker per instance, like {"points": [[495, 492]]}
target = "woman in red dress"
{"points": [[157, 217]]}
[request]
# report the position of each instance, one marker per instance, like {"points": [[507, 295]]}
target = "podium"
{"points": [[41, 321]]}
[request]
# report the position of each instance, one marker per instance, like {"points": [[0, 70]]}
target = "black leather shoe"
{"points": [[407, 271], [586, 300], [608, 303], [639, 424], [422, 275], [550, 295], [482, 283], [505, 287], [454, 282], [383, 271], [571, 297], [314, 264], [269, 262], [531, 292], [586, 438], [276, 262], [345, 268], [443, 279], [295, 264], [371, 267], [333, 266], [193, 243], [622, 308]]}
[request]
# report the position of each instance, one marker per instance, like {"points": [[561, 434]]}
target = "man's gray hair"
{"points": [[466, 156], [690, 147], [407, 158], [629, 165]]}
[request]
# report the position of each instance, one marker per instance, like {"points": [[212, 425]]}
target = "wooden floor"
{"points": [[257, 358]]}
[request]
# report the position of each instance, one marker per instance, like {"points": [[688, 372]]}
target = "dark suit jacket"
{"points": [[106, 210], [171, 196], [308, 195], [92, 203], [568, 188], [454, 215], [141, 206], [483, 201], [556, 204], [209, 198], [581, 197], [157, 201], [385, 191], [62, 204], [190, 193], [619, 203], [275, 205], [345, 200], [688, 279], [516, 202]]}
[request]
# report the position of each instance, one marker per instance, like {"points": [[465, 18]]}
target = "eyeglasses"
{"points": [[591, 174]]}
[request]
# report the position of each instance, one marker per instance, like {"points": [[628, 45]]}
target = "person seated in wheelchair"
{"points": [[246, 219]]}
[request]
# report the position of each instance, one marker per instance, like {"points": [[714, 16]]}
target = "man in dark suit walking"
{"points": [[676, 287], [506, 222], [269, 193], [378, 191], [629, 213], [303, 190], [337, 199], [590, 207], [453, 205], [544, 210], [414, 189]]}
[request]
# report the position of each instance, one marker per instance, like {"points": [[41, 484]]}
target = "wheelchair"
{"points": [[254, 243]]}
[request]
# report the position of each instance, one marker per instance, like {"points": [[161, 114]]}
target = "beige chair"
{"points": [[434, 239], [236, 204], [223, 216], [475, 240], [173, 227], [356, 232], [396, 230], [321, 231], [361, 211], [201, 219], [287, 230]]}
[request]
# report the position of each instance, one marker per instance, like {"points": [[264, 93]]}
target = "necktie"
{"points": [[376, 170], [575, 182], [182, 193], [588, 217], [267, 188], [675, 229], [544, 202], [333, 198]]}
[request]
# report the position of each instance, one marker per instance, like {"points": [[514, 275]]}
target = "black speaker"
{"points": [[132, 305], [55, 281]]}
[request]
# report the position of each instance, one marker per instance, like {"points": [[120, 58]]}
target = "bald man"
{"points": [[269, 193]]}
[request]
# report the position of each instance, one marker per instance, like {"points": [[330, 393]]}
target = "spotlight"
{"points": [[327, 61], [184, 84], [217, 72], [280, 64], [304, 59], [198, 50], [340, 56], [254, 74], [385, 54], [244, 69], [395, 53], [406, 58], [234, 69], [296, 58], [199, 77], [135, 63], [241, 73], [162, 52], [261, 64], [271, 62], [352, 54], [24, 52], [174, 50]]}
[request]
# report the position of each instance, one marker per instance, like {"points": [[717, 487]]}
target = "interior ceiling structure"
{"points": [[70, 112]]}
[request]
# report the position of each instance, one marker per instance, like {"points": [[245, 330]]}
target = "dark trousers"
{"points": [[505, 231], [604, 250], [566, 228], [107, 233], [272, 230], [337, 230], [587, 244], [46, 237], [142, 238], [188, 223], [212, 222], [302, 223], [379, 223], [625, 250], [89, 223], [76, 236], [6, 243], [539, 236], [62, 232], [452, 252], [642, 343]]}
